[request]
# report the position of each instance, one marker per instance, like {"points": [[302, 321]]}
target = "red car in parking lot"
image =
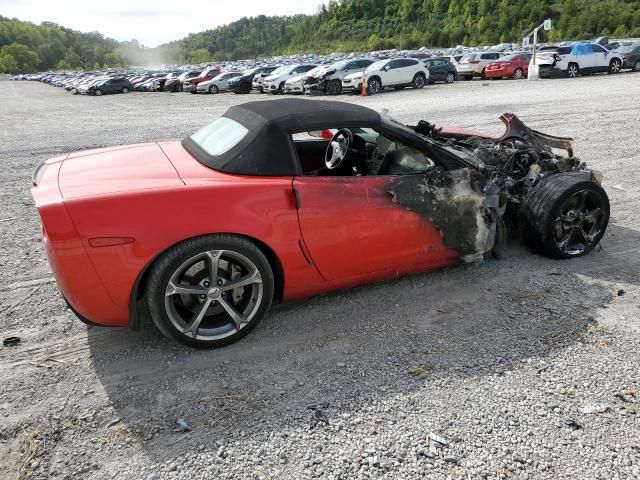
{"points": [[207, 74], [514, 66]]}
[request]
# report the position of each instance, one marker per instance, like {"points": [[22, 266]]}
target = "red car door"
{"points": [[351, 226], [523, 63]]}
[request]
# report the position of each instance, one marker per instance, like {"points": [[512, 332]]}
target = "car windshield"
{"points": [[314, 70], [219, 136], [376, 65], [281, 70]]}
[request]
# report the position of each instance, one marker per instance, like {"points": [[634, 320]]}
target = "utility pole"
{"points": [[533, 72]]}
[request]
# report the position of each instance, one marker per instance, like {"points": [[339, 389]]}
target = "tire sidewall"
{"points": [[165, 266]]}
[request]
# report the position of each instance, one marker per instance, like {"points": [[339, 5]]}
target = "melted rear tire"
{"points": [[544, 204]]}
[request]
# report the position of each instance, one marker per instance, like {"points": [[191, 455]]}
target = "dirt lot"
{"points": [[527, 367]]}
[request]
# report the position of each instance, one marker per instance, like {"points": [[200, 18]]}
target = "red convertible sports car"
{"points": [[261, 206]]}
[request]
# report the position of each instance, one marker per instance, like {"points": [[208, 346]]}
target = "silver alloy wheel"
{"points": [[213, 89], [636, 66], [213, 295], [616, 65], [517, 74], [98, 92], [579, 222], [418, 81], [450, 77], [572, 71], [374, 86], [125, 90]]}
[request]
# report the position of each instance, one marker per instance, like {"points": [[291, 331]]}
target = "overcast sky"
{"points": [[151, 22]]}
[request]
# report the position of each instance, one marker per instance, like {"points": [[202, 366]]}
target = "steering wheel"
{"points": [[338, 148]]}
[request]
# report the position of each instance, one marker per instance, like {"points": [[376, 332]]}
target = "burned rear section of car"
{"points": [[504, 185]]}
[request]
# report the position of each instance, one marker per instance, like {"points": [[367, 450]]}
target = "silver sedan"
{"points": [[216, 84]]}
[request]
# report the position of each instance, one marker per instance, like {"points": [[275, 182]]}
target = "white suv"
{"points": [[473, 64], [274, 83], [396, 72], [578, 59]]}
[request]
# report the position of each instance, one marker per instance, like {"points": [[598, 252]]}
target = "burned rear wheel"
{"points": [[210, 291], [567, 215]]}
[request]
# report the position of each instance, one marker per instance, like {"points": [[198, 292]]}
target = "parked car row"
{"points": [[379, 71]]}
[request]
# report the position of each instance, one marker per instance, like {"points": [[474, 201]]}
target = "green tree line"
{"points": [[26, 47], [339, 25], [364, 25]]}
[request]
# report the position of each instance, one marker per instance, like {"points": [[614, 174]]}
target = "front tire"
{"points": [[334, 87], [636, 66], [279, 90], [125, 90], [450, 78], [374, 86], [573, 70], [98, 92], [518, 74], [566, 215], [210, 291], [213, 89]]}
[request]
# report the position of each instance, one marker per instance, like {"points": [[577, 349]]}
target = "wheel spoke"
{"points": [[173, 289], [192, 327], [213, 259], [582, 201], [566, 238], [586, 238], [253, 277], [235, 316], [591, 215]]}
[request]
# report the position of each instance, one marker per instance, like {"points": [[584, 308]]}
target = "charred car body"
{"points": [[329, 79], [290, 198]]}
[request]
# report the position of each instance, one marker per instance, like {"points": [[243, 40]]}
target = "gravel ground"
{"points": [[518, 368]]}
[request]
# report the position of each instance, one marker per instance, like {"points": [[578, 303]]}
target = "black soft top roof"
{"points": [[267, 149]]}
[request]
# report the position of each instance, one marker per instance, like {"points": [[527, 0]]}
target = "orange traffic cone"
{"points": [[364, 84]]}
